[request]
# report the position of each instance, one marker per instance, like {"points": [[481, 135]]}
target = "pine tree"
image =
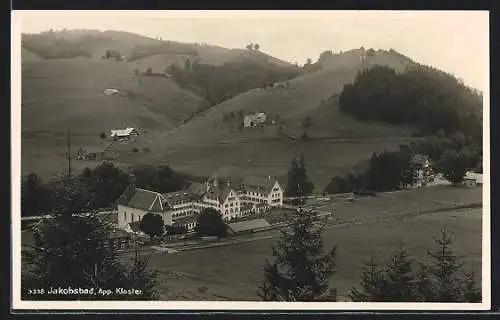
{"points": [[471, 293], [398, 282], [292, 187], [444, 266], [71, 252], [424, 289], [371, 281], [300, 270]]}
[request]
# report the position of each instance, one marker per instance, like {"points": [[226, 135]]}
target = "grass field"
{"points": [[234, 272]]}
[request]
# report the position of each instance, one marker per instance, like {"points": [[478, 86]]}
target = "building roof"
{"points": [[474, 176], [197, 189], [248, 183], [135, 226], [122, 132], [220, 192], [141, 199], [248, 225], [177, 197], [258, 183], [184, 220]]}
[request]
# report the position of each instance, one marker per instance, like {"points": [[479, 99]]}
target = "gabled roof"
{"points": [[135, 226], [251, 183], [142, 199], [177, 197], [122, 132], [220, 192]]}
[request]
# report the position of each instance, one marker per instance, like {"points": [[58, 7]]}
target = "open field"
{"points": [[263, 157], [234, 272]]}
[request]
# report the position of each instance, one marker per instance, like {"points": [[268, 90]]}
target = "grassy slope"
{"points": [[72, 93]]}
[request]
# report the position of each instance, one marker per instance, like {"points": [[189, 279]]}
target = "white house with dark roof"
{"points": [[134, 203], [232, 197], [124, 134]]}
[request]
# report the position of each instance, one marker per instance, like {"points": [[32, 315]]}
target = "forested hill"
{"points": [[423, 96]]}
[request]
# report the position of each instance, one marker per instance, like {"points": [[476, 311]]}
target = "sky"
{"points": [[453, 41]]}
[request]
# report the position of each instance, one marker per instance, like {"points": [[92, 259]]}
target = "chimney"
{"points": [[269, 177]]}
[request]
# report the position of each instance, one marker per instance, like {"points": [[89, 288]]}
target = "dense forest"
{"points": [[220, 83], [428, 98]]}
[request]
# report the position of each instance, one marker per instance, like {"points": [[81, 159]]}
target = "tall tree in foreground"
{"points": [[398, 282], [371, 282], [440, 279], [298, 184], [301, 270], [444, 269], [71, 252]]}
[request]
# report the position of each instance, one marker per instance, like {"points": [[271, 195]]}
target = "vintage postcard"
{"points": [[244, 160]]}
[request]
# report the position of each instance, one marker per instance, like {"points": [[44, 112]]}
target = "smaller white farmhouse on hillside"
{"points": [[124, 134], [252, 120], [111, 91]]}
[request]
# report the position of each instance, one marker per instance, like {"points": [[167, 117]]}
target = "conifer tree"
{"points": [[398, 282], [71, 251], [444, 266], [424, 289], [371, 282], [300, 270], [471, 293]]}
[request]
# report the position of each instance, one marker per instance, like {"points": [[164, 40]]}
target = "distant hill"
{"points": [[308, 95], [64, 76]]}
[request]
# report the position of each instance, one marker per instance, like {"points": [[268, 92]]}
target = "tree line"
{"points": [[422, 96], [220, 83], [104, 183]]}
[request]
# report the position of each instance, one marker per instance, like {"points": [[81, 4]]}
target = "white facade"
{"points": [[128, 214], [179, 206]]}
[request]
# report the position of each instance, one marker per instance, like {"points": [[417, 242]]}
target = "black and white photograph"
{"points": [[247, 160]]}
